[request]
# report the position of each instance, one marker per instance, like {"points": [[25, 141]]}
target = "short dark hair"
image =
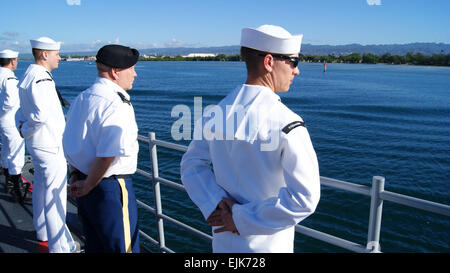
{"points": [[5, 61], [252, 58], [37, 53], [101, 68]]}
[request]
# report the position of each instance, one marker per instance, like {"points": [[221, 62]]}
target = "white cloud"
{"points": [[73, 2], [95, 43], [16, 46], [374, 2], [115, 41]]}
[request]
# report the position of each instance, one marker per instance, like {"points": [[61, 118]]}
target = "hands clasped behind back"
{"points": [[222, 216]]}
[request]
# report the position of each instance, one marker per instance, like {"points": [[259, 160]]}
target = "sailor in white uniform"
{"points": [[13, 146], [101, 146], [265, 176], [42, 128]]}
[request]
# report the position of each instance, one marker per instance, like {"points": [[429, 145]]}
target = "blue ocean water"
{"points": [[364, 120]]}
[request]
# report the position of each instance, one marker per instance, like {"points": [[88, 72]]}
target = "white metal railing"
{"points": [[376, 192]]}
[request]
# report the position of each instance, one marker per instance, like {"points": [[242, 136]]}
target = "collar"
{"points": [[33, 71], [112, 86], [38, 67], [6, 70], [266, 91]]}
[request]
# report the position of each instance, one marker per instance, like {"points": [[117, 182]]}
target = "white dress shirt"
{"points": [[41, 110], [262, 157], [101, 124]]}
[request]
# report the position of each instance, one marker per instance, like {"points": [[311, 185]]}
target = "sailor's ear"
{"points": [[113, 73], [268, 63], [45, 54]]}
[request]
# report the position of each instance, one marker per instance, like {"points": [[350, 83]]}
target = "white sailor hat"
{"points": [[270, 38], [8, 54], [45, 43]]}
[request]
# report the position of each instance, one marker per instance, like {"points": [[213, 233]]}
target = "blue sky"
{"points": [[85, 25]]}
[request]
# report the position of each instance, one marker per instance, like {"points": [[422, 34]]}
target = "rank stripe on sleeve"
{"points": [[43, 80], [292, 126]]}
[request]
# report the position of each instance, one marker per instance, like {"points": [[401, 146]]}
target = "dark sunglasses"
{"points": [[294, 60]]}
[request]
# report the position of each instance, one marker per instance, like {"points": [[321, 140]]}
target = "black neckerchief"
{"points": [[64, 102]]}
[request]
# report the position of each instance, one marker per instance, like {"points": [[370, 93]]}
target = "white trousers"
{"points": [[50, 199], [13, 150]]}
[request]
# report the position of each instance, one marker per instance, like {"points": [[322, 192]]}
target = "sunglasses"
{"points": [[294, 60]]}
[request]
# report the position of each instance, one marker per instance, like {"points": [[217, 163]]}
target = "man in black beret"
{"points": [[117, 56], [101, 147]]}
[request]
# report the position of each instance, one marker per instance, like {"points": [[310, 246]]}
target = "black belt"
{"points": [[82, 176]]}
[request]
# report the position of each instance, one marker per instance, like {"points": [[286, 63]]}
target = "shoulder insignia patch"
{"points": [[43, 80], [122, 97], [292, 126]]}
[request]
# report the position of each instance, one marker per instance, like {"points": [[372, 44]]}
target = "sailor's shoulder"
{"points": [[41, 77], [289, 120], [7, 75], [37, 74]]}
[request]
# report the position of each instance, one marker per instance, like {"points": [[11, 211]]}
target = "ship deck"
{"points": [[17, 234]]}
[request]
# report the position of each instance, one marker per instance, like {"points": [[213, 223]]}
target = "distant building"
{"points": [[77, 59], [200, 55], [145, 56]]}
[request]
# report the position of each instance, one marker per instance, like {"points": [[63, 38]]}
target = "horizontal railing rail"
{"points": [[376, 192]]}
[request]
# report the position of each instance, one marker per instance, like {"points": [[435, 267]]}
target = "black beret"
{"points": [[117, 56]]}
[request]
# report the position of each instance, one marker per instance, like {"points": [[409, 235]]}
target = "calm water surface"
{"points": [[364, 120]]}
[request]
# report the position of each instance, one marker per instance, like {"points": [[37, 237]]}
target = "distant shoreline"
{"points": [[367, 58]]}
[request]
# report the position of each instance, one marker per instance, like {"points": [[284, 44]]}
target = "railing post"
{"points": [[376, 209], [156, 190]]}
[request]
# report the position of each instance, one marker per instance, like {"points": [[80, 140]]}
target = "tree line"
{"points": [[367, 58]]}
